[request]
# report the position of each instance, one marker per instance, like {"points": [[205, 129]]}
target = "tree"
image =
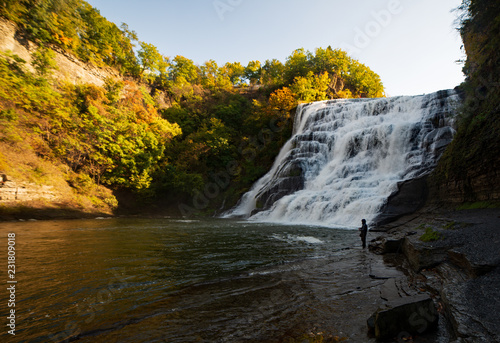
{"points": [[213, 77], [297, 64], [331, 61], [363, 82], [281, 102], [12, 10], [164, 78], [312, 87], [209, 72], [183, 70], [252, 72], [76, 27], [43, 61], [151, 61], [235, 72], [272, 73]]}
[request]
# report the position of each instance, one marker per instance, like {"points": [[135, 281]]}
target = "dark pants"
{"points": [[363, 239]]}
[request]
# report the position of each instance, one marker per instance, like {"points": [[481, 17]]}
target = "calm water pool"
{"points": [[166, 280]]}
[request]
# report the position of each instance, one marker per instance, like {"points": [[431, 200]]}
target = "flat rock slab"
{"points": [[404, 316], [380, 270]]}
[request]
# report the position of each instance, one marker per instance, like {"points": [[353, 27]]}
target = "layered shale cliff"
{"points": [[69, 67], [28, 180], [470, 168], [12, 191]]}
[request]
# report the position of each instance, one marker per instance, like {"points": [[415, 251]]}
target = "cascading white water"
{"points": [[346, 158]]}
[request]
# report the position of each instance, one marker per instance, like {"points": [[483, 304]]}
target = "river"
{"points": [[168, 280]]}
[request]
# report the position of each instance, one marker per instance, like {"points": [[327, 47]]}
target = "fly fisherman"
{"points": [[364, 232]]}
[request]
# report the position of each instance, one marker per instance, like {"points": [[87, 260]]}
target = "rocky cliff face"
{"points": [[469, 169], [459, 266], [12, 191], [69, 67], [17, 191], [479, 182]]}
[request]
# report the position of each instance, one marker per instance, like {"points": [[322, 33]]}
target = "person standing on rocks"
{"points": [[364, 232]]}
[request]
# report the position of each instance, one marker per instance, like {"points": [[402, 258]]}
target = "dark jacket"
{"points": [[364, 230]]}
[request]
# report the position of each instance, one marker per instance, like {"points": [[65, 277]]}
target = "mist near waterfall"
{"points": [[346, 157]]}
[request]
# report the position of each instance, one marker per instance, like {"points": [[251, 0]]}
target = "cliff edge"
{"points": [[69, 67]]}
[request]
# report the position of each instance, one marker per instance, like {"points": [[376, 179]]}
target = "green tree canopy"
{"points": [[151, 61], [235, 72], [252, 72], [272, 73]]}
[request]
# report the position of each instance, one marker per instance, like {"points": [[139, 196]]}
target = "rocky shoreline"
{"points": [[454, 256]]}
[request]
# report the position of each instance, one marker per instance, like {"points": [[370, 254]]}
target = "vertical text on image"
{"points": [[11, 281]]}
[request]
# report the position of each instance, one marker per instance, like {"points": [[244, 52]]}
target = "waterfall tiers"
{"points": [[347, 157]]}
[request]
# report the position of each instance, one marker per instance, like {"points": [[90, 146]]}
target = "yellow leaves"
{"points": [[312, 77], [140, 107], [345, 94], [312, 87], [55, 18], [282, 101], [4, 164], [58, 32], [166, 130]]}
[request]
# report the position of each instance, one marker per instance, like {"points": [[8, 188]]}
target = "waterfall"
{"points": [[346, 157]]}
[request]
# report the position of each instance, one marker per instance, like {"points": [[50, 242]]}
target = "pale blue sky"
{"points": [[412, 45]]}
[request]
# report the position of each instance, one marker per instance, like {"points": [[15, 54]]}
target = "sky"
{"points": [[413, 45]]}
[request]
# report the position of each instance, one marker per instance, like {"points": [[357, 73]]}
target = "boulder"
{"points": [[466, 263], [422, 255], [403, 317], [387, 245]]}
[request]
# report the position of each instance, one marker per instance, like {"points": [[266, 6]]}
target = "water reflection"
{"points": [[134, 280]]}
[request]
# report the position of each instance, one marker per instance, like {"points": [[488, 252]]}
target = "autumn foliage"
{"points": [[173, 125]]}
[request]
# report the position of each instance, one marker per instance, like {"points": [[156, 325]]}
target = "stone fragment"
{"points": [[472, 268], [404, 316], [387, 245], [421, 255]]}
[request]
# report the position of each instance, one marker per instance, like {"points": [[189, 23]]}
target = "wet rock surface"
{"points": [[460, 268], [277, 189], [422, 255], [405, 316], [409, 198]]}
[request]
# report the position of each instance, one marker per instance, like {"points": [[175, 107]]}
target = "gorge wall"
{"points": [[12, 191], [470, 168], [15, 191], [69, 67], [479, 182]]}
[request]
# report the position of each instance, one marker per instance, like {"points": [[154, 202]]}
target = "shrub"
{"points": [[431, 235]]}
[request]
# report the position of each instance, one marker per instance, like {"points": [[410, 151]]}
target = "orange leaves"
{"points": [[66, 41], [134, 99], [281, 102]]}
